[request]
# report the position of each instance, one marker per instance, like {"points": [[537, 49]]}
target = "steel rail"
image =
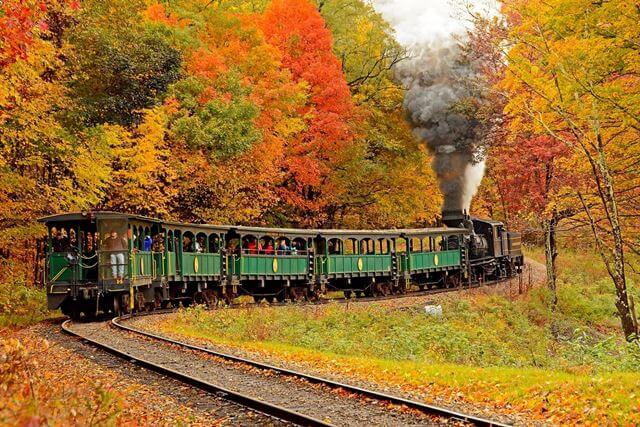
{"points": [[425, 408], [253, 403]]}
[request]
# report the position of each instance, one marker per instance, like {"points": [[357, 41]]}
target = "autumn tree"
{"points": [[387, 181], [572, 76], [529, 176], [121, 66], [298, 30]]}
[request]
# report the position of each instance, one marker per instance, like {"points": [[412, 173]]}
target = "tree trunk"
{"points": [[551, 253]]}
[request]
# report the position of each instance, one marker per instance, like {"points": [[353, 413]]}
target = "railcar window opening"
{"points": [[60, 240], [367, 246], [147, 242], [384, 246], [188, 242], [350, 246], [299, 246], [214, 243], [416, 244], [170, 241], [401, 245], [266, 245], [250, 244], [334, 246], [200, 243], [283, 246], [113, 245], [158, 241]]}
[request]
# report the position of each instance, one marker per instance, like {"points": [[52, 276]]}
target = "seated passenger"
{"points": [[200, 245], [294, 248], [187, 244], [117, 247], [282, 247], [213, 246], [251, 246], [268, 249]]}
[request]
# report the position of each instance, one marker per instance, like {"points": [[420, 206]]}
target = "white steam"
{"points": [[436, 79]]}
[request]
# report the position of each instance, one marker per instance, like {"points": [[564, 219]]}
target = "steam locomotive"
{"points": [[109, 262]]}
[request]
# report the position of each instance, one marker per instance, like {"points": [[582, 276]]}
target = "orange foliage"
{"points": [[299, 32]]}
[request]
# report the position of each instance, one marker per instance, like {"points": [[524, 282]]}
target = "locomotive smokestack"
{"points": [[453, 218]]}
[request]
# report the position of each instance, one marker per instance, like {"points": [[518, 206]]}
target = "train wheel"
{"points": [[359, 294], [257, 298], [348, 294], [421, 287], [117, 308], [210, 298], [140, 302], [269, 299], [198, 298], [280, 296], [312, 295], [125, 304], [157, 300]]}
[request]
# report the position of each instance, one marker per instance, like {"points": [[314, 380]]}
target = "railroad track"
{"points": [[275, 411], [382, 397], [359, 403]]}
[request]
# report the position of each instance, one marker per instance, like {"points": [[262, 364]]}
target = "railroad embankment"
{"points": [[492, 348]]}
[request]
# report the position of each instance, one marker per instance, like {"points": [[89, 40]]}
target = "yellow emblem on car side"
{"points": [[142, 266], [196, 264], [275, 265], [360, 264], [435, 259]]}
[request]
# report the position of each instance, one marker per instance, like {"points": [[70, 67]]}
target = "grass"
{"points": [[485, 349]]}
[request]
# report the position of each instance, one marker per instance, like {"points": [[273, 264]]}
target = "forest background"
{"points": [[287, 113]]}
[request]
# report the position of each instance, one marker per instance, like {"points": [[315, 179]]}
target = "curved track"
{"points": [[383, 397], [275, 411]]}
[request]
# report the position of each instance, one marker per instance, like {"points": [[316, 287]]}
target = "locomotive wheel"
{"points": [[229, 296], [297, 294], [313, 296]]}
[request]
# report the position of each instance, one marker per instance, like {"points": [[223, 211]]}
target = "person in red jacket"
{"points": [[252, 247]]}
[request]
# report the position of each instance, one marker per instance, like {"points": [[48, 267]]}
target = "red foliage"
{"points": [[529, 166], [16, 26], [298, 30], [18, 21]]}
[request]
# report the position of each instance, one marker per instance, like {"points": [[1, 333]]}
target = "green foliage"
{"points": [[222, 126], [20, 303], [122, 67]]}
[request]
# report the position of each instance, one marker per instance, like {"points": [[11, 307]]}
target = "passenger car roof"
{"points": [[258, 231]]}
